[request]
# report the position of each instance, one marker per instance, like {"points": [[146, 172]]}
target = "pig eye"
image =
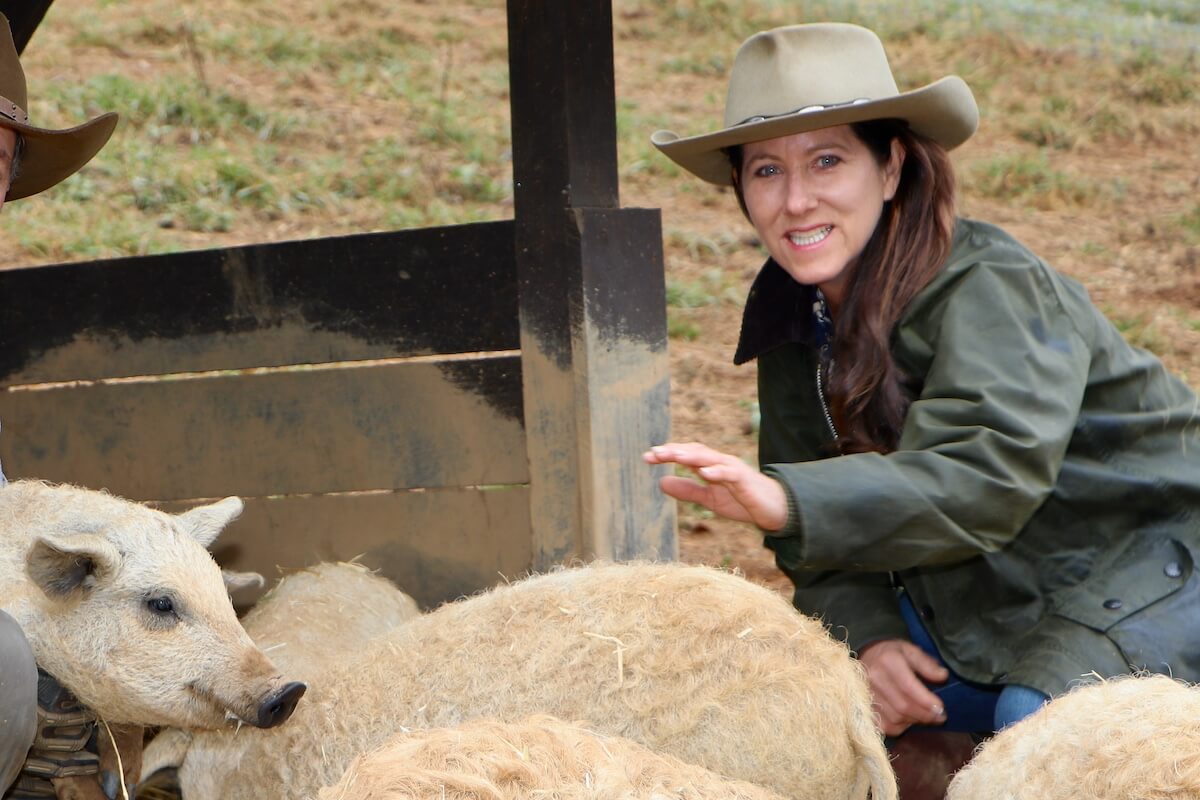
{"points": [[161, 605]]}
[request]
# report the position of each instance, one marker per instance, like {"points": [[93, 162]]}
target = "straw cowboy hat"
{"points": [[47, 156], [803, 77]]}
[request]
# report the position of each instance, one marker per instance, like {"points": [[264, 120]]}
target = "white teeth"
{"points": [[802, 240]]}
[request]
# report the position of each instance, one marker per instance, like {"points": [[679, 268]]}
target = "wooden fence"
{"points": [[453, 405]]}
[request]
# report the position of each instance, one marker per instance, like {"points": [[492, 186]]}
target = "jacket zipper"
{"points": [[824, 405], [893, 577]]}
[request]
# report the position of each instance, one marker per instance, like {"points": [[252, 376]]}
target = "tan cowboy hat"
{"points": [[47, 156], [803, 77]]}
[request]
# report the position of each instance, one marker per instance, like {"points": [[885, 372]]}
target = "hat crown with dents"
{"points": [[47, 156], [780, 71], [803, 77]]}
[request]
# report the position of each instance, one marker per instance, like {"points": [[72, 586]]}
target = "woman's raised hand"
{"points": [[731, 488]]}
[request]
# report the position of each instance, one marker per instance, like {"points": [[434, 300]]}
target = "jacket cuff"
{"points": [[859, 614], [877, 624], [792, 527]]}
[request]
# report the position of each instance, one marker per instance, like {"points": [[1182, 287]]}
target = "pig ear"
{"points": [[204, 523], [67, 566], [235, 581]]}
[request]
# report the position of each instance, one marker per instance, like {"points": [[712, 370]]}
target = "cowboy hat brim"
{"points": [[945, 111], [50, 156]]}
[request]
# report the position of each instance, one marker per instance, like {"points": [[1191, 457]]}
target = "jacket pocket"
{"points": [[1147, 601]]}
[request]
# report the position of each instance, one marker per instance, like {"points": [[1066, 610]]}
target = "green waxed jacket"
{"points": [[1041, 508]]}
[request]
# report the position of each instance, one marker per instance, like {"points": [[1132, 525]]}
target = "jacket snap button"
{"points": [[1112, 604], [1172, 569], [927, 612]]}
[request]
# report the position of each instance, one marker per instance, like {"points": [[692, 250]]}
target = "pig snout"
{"points": [[279, 705]]}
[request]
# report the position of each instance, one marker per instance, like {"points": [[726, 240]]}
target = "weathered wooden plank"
{"points": [[436, 545], [623, 341], [377, 295], [386, 426]]}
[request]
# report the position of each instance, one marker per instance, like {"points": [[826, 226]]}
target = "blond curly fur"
{"points": [[307, 623], [688, 661], [1129, 738], [312, 617], [77, 568], [532, 760]]}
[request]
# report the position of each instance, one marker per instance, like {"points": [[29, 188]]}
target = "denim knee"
{"points": [[1017, 702]]}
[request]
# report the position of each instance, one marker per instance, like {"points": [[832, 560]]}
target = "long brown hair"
{"points": [[867, 390]]}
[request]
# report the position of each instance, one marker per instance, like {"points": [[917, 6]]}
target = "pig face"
{"points": [[134, 618]]}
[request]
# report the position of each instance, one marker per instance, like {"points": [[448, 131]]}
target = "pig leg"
{"points": [[83, 787], [120, 758]]}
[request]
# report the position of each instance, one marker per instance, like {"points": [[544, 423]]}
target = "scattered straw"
{"points": [[120, 767], [619, 652]]}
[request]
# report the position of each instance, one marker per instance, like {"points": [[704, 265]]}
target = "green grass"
{"points": [[1149, 78], [1139, 330], [679, 327], [1164, 24], [712, 288], [165, 109], [1046, 132], [196, 153], [1189, 221], [1030, 179]]}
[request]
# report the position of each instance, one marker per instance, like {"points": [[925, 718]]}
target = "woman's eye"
{"points": [[824, 162], [161, 605], [767, 171]]}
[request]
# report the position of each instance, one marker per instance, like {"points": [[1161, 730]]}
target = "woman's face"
{"points": [[815, 199]]}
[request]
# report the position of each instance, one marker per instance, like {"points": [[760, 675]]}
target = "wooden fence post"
{"points": [[592, 299]]}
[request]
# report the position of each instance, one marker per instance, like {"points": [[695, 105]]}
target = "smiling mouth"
{"points": [[806, 239]]}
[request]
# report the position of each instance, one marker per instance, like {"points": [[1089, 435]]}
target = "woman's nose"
{"points": [[800, 197]]}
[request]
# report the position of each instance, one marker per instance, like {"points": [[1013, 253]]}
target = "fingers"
{"points": [[899, 695], [691, 454], [732, 488], [913, 699], [686, 490], [925, 665]]}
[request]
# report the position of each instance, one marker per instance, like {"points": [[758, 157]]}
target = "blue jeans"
{"points": [[971, 707]]}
